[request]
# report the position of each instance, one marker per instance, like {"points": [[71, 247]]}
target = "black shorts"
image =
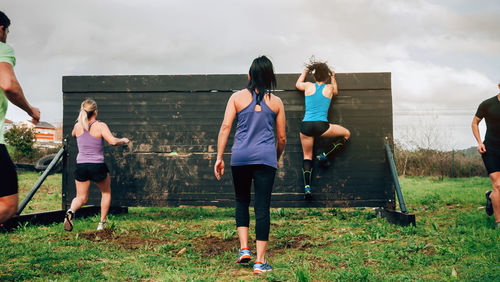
{"points": [[8, 175], [491, 158], [91, 171], [314, 128]]}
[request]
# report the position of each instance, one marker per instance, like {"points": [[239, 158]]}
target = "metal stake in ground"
{"points": [[39, 181]]}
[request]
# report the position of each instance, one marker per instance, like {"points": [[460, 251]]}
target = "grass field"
{"points": [[453, 240]]}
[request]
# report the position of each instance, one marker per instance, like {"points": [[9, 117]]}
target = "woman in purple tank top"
{"points": [[90, 164], [254, 154]]}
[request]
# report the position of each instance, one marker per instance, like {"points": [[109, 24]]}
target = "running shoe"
{"points": [[323, 160], [307, 192], [244, 256], [68, 221], [261, 267], [101, 226], [489, 205]]}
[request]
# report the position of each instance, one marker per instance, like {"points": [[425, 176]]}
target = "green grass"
{"points": [[453, 240], [48, 196]]}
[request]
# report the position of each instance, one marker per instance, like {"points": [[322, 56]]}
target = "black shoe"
{"points": [[323, 160], [68, 221], [489, 205]]}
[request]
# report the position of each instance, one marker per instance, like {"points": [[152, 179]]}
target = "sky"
{"points": [[443, 55]]}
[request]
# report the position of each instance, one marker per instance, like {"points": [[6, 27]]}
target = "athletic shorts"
{"points": [[491, 158], [91, 171], [314, 128], [8, 175]]}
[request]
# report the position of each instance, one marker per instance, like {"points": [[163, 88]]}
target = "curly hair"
{"points": [[320, 70]]}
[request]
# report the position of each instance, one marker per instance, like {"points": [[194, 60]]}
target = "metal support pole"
{"points": [[39, 182], [395, 179]]}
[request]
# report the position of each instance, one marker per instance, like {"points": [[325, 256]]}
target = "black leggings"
{"points": [[8, 174], [263, 180]]}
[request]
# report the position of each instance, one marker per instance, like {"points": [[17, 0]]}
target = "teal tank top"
{"points": [[317, 105]]}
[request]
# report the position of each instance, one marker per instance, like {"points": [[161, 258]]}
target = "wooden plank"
{"points": [[191, 83]]}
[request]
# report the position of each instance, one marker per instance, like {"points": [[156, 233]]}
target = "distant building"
{"points": [[44, 131], [7, 125]]}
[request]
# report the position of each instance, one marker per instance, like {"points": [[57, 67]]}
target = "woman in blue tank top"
{"points": [[255, 156], [318, 96]]}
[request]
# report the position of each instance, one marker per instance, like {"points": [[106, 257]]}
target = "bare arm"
{"points": [[224, 131], [73, 133], [475, 130], [280, 131], [334, 83], [300, 84], [108, 136], [14, 92]]}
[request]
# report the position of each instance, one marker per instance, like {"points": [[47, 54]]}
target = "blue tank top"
{"points": [[317, 105], [254, 137]]}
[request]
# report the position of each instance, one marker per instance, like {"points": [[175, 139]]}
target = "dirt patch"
{"points": [[300, 241], [131, 240], [321, 263], [213, 246]]}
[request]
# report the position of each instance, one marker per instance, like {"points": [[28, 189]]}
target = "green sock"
{"points": [[337, 146]]}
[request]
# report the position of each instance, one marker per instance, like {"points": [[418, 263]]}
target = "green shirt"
{"points": [[6, 56]]}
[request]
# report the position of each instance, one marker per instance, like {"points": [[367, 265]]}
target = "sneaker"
{"points": [[497, 226], [307, 192], [101, 226], [244, 256], [68, 221], [323, 160], [261, 267], [489, 205]]}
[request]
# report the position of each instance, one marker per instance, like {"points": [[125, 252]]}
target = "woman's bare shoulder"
{"points": [[242, 92], [275, 103]]}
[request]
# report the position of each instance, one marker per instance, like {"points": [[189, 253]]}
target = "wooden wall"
{"points": [[173, 122]]}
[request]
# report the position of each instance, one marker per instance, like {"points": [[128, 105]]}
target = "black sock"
{"points": [[307, 172], [337, 146]]}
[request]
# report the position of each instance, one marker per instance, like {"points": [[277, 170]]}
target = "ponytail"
{"points": [[87, 110], [262, 77]]}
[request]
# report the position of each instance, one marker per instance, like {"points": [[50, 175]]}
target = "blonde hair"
{"points": [[87, 109]]}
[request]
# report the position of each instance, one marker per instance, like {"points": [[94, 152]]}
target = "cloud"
{"points": [[442, 54]]}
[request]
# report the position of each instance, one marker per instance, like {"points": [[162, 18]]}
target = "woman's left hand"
{"points": [[219, 168]]}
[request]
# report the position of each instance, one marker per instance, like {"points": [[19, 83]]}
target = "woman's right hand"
{"points": [[219, 168], [481, 148], [125, 140]]}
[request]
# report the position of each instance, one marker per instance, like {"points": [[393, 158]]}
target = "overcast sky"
{"points": [[443, 55]]}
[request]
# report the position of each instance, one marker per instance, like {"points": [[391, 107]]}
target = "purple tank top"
{"points": [[90, 148], [254, 138]]}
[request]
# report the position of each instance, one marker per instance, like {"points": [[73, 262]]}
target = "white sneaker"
{"points": [[101, 226]]}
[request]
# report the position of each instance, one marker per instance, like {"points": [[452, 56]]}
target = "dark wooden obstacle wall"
{"points": [[173, 122]]}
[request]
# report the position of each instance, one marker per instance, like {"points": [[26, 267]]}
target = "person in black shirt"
{"points": [[490, 150]]}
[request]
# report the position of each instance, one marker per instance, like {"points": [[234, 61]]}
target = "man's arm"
{"points": [[14, 92], [475, 130]]}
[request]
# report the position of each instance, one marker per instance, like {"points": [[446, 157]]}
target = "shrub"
{"points": [[21, 138], [430, 162]]}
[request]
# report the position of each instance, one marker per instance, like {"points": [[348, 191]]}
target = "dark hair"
{"points": [[4, 20], [320, 70], [262, 77]]}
